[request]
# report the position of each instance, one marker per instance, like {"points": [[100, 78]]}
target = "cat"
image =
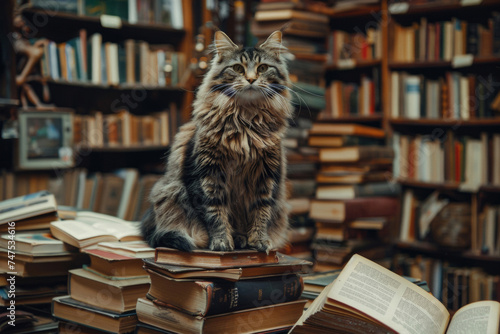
{"points": [[224, 185]]}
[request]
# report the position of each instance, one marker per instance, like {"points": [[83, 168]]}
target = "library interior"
{"points": [[383, 175]]}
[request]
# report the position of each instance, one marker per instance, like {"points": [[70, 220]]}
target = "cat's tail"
{"points": [[157, 238]]}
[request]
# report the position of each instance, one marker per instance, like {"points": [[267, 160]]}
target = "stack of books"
{"points": [[355, 199], [301, 186], [242, 291], [103, 296], [33, 265]]}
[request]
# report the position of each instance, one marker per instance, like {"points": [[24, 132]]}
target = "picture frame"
{"points": [[45, 140]]}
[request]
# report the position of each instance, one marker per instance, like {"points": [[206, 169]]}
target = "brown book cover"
{"points": [[355, 153], [346, 210], [276, 316], [209, 297], [214, 259], [346, 129], [286, 264], [112, 264]]}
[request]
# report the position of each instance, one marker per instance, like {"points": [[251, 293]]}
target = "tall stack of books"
{"points": [[33, 265], [355, 198], [214, 292], [301, 186], [103, 296]]}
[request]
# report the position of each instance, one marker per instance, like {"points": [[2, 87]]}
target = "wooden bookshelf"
{"points": [[401, 9], [355, 65], [376, 118], [151, 33], [419, 65], [449, 254]]}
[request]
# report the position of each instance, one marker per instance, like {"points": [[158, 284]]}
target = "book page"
{"points": [[388, 298], [476, 318], [81, 230]]}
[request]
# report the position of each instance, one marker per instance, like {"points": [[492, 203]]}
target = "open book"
{"points": [[367, 297], [90, 228]]}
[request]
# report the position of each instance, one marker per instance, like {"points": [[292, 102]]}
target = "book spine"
{"points": [[228, 296], [376, 189], [371, 207]]}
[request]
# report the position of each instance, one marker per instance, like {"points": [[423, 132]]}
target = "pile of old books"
{"points": [[103, 296], [242, 291], [33, 264], [356, 202]]}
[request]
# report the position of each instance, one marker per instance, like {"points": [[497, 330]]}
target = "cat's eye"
{"points": [[262, 68], [239, 68]]}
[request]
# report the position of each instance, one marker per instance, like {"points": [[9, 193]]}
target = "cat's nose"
{"points": [[251, 80]]}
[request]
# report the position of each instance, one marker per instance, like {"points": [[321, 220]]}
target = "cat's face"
{"points": [[249, 76]]}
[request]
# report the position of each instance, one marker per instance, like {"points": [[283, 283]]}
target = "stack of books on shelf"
{"points": [[214, 292], [367, 297], [429, 40], [452, 96], [355, 200], [92, 60], [122, 129], [103, 296], [144, 11]]}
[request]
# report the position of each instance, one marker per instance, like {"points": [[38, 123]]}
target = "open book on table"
{"points": [[367, 297]]}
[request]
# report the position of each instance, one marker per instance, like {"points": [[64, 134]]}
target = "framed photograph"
{"points": [[45, 139]]}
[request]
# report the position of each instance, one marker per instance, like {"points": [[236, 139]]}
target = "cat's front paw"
{"points": [[262, 244], [221, 243]]}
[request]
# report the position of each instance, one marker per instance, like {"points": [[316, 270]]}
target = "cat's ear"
{"points": [[274, 45], [223, 43]]}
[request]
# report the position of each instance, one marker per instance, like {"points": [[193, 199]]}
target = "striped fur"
{"points": [[224, 185]]}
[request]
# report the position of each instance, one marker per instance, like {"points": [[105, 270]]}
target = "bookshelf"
{"points": [[407, 30], [86, 97], [449, 125]]}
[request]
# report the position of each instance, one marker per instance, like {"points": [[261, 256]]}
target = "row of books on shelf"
{"points": [[122, 129], [443, 40], [99, 62], [123, 193], [166, 12], [451, 96], [352, 98], [454, 286], [460, 159], [345, 48]]}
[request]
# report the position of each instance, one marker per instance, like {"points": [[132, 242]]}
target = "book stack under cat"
{"points": [[355, 200], [242, 291]]}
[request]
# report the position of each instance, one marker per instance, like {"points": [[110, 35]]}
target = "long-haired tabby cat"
{"points": [[224, 185]]}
